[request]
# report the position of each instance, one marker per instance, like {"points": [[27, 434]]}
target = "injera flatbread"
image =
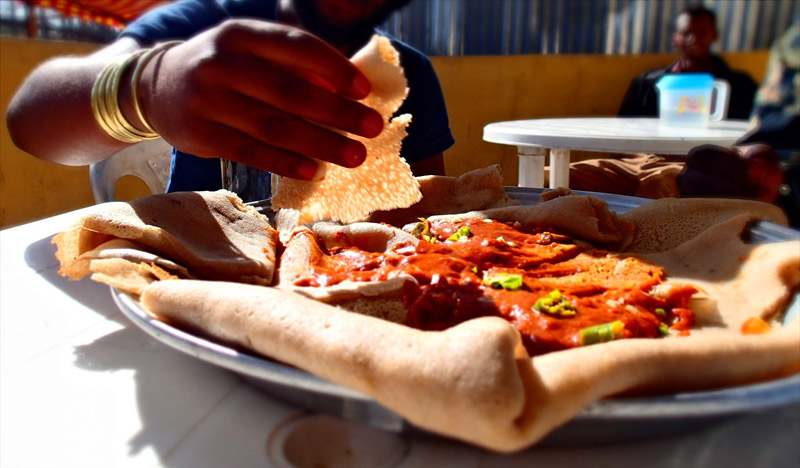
{"points": [[474, 381], [668, 222], [479, 189], [213, 235], [384, 181], [737, 280]]}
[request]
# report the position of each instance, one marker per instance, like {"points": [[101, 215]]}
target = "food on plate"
{"points": [[357, 304], [665, 224], [384, 181], [208, 235], [480, 189], [474, 381], [450, 271]]}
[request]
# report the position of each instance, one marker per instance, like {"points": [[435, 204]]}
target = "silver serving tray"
{"points": [[608, 420]]}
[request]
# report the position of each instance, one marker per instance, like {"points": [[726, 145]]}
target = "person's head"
{"points": [[343, 22], [695, 31]]}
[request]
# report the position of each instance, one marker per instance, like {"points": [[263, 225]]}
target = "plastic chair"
{"points": [[148, 160]]}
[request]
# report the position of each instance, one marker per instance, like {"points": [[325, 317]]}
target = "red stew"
{"points": [[549, 288]]}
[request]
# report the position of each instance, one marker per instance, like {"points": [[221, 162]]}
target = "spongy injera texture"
{"points": [[384, 181]]}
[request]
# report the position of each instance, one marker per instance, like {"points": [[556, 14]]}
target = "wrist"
{"points": [[126, 100], [147, 62], [136, 83], [106, 106]]}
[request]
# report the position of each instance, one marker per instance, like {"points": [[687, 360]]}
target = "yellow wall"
{"points": [[484, 89], [30, 188], [478, 90]]}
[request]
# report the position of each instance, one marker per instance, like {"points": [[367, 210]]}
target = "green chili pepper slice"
{"points": [[422, 230], [508, 281], [555, 304], [461, 233], [602, 333]]}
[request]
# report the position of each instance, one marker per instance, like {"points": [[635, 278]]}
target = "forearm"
{"points": [[50, 116]]}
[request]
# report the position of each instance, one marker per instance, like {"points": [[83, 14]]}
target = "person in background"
{"points": [[267, 83], [765, 163], [695, 32], [650, 175]]}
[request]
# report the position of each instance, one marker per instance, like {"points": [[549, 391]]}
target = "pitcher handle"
{"points": [[723, 90]]}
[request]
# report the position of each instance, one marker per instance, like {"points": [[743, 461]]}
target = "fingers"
{"points": [[748, 171], [263, 94], [285, 91], [758, 150], [695, 183], [279, 129], [716, 159], [763, 172], [255, 153], [297, 50]]}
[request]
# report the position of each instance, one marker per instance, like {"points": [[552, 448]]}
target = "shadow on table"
{"points": [[40, 256], [174, 391], [172, 409]]}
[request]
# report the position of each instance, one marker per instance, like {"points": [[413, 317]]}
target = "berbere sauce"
{"points": [[472, 268]]}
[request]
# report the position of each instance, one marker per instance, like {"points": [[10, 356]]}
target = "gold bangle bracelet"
{"points": [[98, 102], [112, 103], [114, 117], [137, 74], [105, 102]]}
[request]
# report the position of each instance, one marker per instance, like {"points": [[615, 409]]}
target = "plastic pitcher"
{"points": [[685, 99]]}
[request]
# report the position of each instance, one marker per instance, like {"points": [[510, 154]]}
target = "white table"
{"points": [[602, 134], [80, 386]]}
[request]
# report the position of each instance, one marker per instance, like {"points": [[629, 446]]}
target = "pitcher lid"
{"points": [[685, 81]]}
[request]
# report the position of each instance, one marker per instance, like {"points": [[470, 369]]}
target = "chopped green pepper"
{"points": [[555, 304], [422, 230], [462, 233], [663, 329], [660, 311], [602, 333], [507, 281]]}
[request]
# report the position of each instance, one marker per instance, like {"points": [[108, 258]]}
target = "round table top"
{"points": [[613, 134]]}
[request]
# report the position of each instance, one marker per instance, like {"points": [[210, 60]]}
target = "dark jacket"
{"points": [[641, 100]]}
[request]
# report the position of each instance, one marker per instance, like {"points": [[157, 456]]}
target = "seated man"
{"points": [[695, 32], [263, 82], [653, 176]]}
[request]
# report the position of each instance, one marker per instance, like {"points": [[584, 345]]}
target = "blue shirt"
{"points": [[428, 134]]}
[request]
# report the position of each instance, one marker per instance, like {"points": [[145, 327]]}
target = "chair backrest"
{"points": [[148, 160]]}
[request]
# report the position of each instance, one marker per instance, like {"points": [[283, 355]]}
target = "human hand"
{"points": [[749, 171], [267, 95]]}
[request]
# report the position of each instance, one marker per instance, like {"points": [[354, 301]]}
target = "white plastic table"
{"points": [[81, 386], [602, 134]]}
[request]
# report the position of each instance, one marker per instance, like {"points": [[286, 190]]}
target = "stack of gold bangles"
{"points": [[105, 96]]}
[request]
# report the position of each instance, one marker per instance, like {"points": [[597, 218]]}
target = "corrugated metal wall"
{"points": [[483, 27]]}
